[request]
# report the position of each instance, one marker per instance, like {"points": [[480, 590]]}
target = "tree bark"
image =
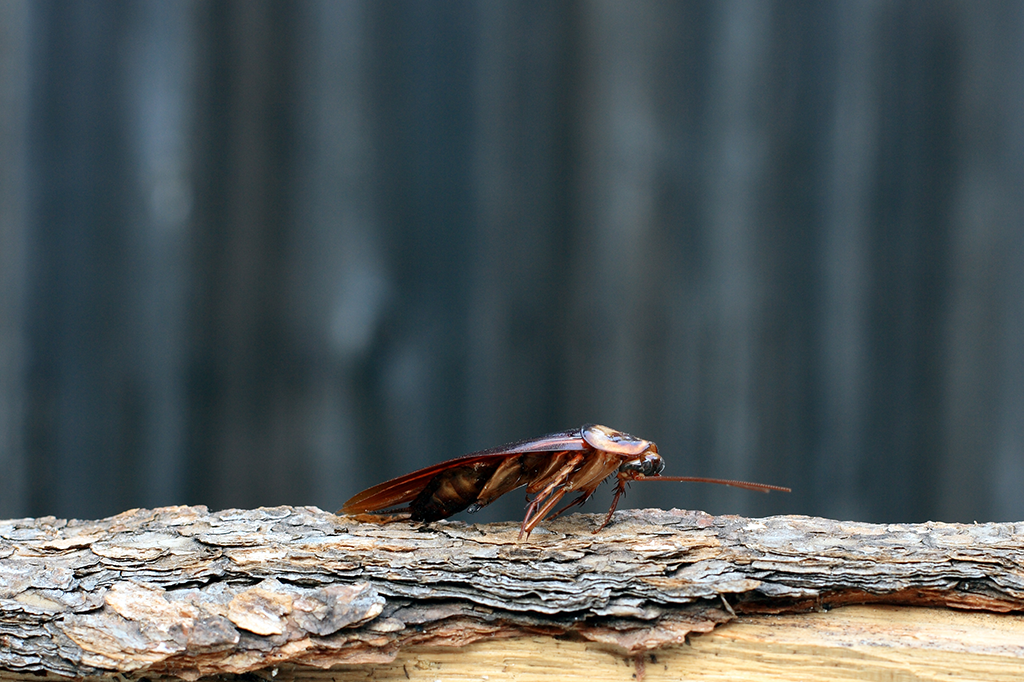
{"points": [[187, 592]]}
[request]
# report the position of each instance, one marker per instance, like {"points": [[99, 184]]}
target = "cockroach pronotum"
{"points": [[577, 460]]}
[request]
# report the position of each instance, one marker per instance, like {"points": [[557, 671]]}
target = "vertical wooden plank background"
{"points": [[255, 253]]}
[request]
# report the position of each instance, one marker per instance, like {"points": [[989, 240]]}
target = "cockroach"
{"points": [[552, 466]]}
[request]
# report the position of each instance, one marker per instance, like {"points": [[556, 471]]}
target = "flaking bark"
{"points": [[187, 592]]}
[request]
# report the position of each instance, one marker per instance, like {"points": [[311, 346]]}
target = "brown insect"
{"points": [[577, 460]]}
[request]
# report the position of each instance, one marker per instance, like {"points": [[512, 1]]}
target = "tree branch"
{"points": [[186, 592]]}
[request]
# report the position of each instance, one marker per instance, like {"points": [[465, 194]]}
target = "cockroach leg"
{"points": [[578, 501], [619, 490]]}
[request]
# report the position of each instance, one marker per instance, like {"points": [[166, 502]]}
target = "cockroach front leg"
{"points": [[620, 489]]}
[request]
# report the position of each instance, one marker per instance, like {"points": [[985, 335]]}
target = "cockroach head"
{"points": [[649, 463]]}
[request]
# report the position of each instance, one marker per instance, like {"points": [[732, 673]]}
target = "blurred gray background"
{"points": [[259, 253]]}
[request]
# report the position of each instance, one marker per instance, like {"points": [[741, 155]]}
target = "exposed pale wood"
{"points": [[850, 643], [186, 592]]}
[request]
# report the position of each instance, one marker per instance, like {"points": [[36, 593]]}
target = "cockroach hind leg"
{"points": [[524, 531], [578, 501], [474, 508]]}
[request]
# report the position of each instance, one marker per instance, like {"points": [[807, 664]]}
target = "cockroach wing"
{"points": [[405, 489]]}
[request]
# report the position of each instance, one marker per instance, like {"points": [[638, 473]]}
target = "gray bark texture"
{"points": [[187, 592]]}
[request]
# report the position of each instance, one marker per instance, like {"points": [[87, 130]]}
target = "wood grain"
{"points": [[849, 643]]}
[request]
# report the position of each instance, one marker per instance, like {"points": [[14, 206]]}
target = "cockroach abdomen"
{"points": [[451, 491]]}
